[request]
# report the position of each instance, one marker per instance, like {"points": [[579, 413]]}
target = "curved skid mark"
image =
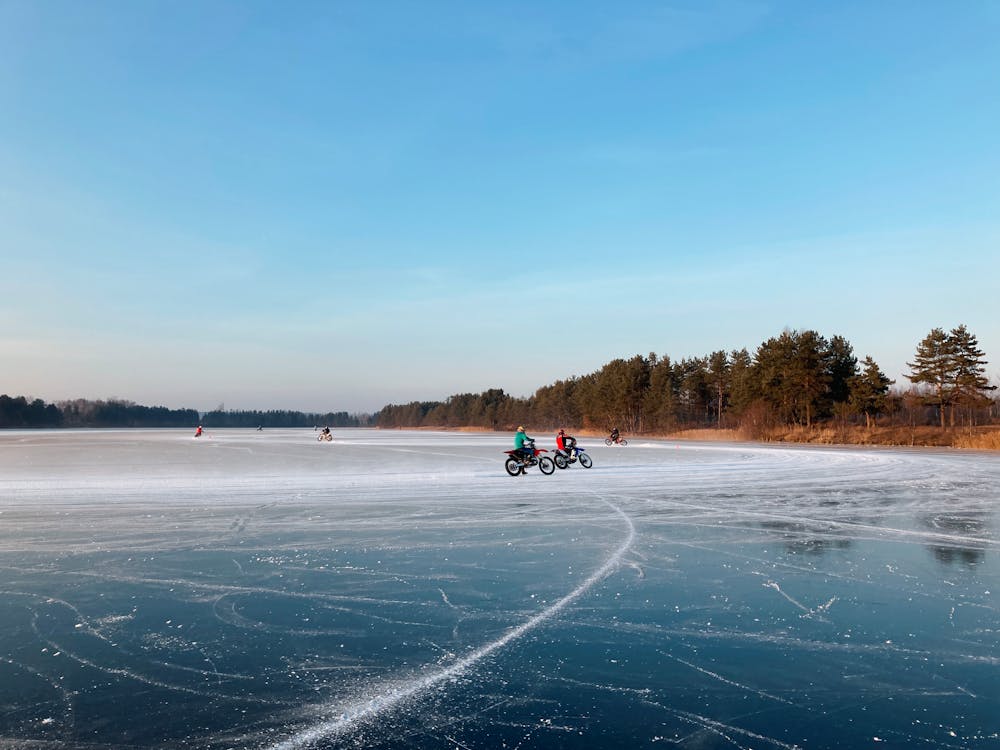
{"points": [[393, 695], [127, 673], [82, 619], [69, 718], [446, 600], [638, 569], [727, 681], [222, 589], [230, 616], [89, 628], [721, 729], [776, 587], [826, 646], [814, 612], [878, 532]]}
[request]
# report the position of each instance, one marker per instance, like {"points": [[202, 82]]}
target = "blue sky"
{"points": [[339, 205]]}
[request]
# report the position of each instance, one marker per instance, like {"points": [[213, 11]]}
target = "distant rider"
{"points": [[325, 432], [197, 433], [565, 443], [522, 444], [615, 437]]}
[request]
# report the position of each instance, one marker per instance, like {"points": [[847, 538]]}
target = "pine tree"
{"points": [[792, 373], [742, 389], [952, 365], [935, 365], [718, 378], [660, 404], [842, 366], [970, 368], [811, 374], [869, 391], [772, 375]]}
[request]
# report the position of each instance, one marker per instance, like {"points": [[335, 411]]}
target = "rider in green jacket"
{"points": [[520, 438]]}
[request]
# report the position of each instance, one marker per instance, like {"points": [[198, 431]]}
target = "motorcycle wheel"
{"points": [[560, 461], [623, 442], [607, 441], [546, 465], [586, 461], [512, 467]]}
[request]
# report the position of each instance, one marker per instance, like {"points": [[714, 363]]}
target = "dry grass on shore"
{"points": [[707, 435], [975, 438], [982, 441], [985, 438]]}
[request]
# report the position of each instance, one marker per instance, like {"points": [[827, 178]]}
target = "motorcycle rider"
{"points": [[522, 444], [565, 443], [614, 435]]}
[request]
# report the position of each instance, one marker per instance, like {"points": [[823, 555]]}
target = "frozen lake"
{"points": [[400, 590]]}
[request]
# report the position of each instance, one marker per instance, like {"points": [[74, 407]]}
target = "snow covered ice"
{"points": [[396, 589]]}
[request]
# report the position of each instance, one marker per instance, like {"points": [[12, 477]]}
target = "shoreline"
{"points": [[981, 438], [985, 438]]}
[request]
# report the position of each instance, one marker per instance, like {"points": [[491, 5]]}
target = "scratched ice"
{"points": [[264, 590]]}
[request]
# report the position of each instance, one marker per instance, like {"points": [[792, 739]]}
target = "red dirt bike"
{"points": [[619, 441], [516, 462]]}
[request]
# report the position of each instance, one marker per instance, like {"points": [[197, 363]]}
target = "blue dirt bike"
{"points": [[574, 454]]}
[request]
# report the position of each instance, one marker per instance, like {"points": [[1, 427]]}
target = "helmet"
{"points": [[562, 432], [520, 428]]}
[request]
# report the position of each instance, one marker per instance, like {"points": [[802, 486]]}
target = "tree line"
{"points": [[282, 418], [795, 378], [19, 412]]}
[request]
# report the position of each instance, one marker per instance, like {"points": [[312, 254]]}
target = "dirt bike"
{"points": [[571, 456], [328, 436], [619, 441], [516, 462]]}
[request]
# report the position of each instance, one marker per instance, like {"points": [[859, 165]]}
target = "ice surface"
{"points": [[398, 589]]}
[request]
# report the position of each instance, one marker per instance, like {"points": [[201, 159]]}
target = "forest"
{"points": [[797, 378], [19, 412], [274, 418]]}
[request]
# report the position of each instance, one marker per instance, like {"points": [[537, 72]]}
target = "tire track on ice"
{"points": [[392, 695]]}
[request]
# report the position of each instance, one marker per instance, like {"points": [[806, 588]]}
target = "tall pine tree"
{"points": [[869, 391], [971, 382], [934, 365]]}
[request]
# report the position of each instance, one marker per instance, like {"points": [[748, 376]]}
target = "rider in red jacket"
{"points": [[565, 443]]}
